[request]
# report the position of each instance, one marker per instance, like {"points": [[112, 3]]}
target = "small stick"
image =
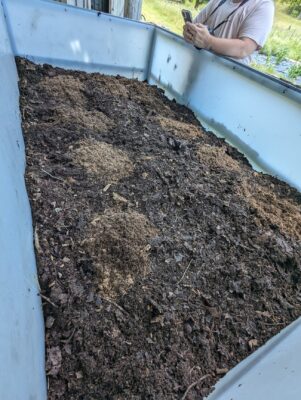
{"points": [[52, 176], [194, 384], [69, 338], [195, 367], [117, 305], [184, 272], [48, 300]]}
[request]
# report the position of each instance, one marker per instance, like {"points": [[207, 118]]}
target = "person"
{"points": [[233, 28]]}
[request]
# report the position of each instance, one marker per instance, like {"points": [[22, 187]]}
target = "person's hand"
{"points": [[200, 36], [187, 32]]}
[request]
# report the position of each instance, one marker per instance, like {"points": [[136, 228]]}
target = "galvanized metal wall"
{"points": [[259, 115], [22, 373], [70, 37]]}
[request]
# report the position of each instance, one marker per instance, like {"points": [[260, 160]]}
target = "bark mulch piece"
{"points": [[166, 261]]}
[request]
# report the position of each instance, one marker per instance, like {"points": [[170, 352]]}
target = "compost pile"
{"points": [[164, 258]]}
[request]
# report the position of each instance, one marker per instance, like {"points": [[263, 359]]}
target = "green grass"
{"points": [[167, 13], [284, 41], [294, 71], [267, 68]]}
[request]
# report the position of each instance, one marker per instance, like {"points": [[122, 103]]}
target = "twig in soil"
{"points": [[193, 368], [183, 276], [52, 176], [69, 338], [194, 384], [117, 305], [48, 300]]}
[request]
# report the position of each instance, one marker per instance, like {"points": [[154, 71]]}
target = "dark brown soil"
{"points": [[163, 257]]}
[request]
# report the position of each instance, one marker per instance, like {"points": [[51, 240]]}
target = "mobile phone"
{"points": [[187, 15]]}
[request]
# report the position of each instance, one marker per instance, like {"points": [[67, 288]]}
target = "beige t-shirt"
{"points": [[253, 20]]}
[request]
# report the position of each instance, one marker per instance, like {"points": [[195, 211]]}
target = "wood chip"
{"points": [[264, 314], [253, 343], [119, 199], [36, 241], [106, 188], [221, 371], [79, 375]]}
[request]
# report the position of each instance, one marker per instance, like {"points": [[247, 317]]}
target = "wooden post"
{"points": [[79, 3], [116, 7], [133, 9]]}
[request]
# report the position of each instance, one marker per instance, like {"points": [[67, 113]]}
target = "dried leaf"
{"points": [[54, 360], [49, 322]]}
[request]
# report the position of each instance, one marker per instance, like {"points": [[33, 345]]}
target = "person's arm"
{"points": [[252, 34], [200, 37], [236, 48]]}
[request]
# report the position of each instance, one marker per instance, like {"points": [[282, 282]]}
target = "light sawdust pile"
{"points": [[103, 160], [62, 90], [180, 129], [217, 158], [109, 85], [118, 242], [95, 121], [282, 212]]}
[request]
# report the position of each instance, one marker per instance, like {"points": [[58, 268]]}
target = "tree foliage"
{"points": [[294, 7]]}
